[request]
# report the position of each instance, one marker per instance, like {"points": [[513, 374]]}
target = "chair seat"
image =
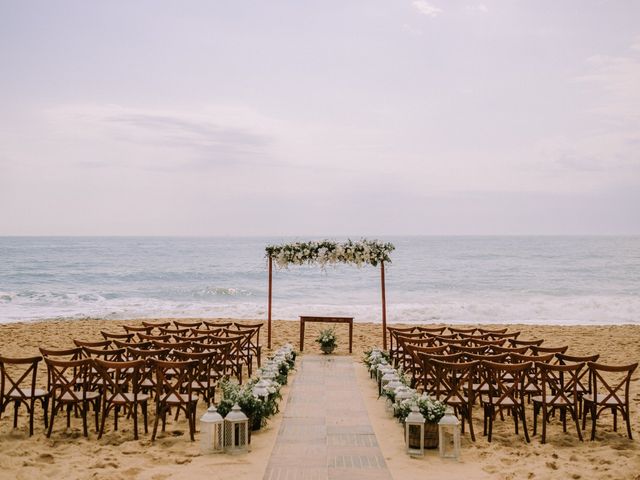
{"points": [[177, 399], [601, 397], [129, 398], [549, 400], [26, 392], [77, 396], [505, 402]]}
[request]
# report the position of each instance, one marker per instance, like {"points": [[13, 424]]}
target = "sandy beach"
{"points": [[117, 456]]}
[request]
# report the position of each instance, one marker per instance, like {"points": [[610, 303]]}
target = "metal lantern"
{"points": [[403, 393], [449, 435], [236, 431], [260, 389], [414, 432], [211, 432], [386, 378]]}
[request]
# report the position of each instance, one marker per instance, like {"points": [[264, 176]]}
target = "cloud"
{"points": [[426, 8], [479, 8], [182, 139]]}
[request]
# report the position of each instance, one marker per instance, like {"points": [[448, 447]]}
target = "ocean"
{"points": [[524, 279]]}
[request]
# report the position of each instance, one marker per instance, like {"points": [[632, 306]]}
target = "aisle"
{"points": [[325, 433]]}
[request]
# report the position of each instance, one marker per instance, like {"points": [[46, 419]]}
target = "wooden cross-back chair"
{"points": [[61, 354], [558, 390], [584, 383], [174, 390], [539, 350], [70, 381], [221, 351], [393, 331], [506, 384], [201, 383], [426, 375], [496, 349], [140, 345], [453, 385], [611, 384], [240, 353], [404, 358], [528, 343], [416, 367], [121, 390], [18, 386], [147, 372], [254, 339], [485, 331], [485, 342]]}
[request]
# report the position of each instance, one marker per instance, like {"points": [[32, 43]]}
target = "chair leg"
{"points": [[16, 404], [103, 420], [563, 416], [536, 411], [53, 415], [45, 407], [627, 418], [520, 411], [593, 420], [155, 422], [31, 412], [135, 421], [544, 424], [144, 415], [574, 415], [615, 419], [470, 417], [85, 430]]}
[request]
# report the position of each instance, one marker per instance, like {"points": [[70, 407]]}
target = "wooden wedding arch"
{"points": [[363, 252]]}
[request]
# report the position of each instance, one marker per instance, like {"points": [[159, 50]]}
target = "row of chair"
{"points": [[121, 375], [476, 367]]}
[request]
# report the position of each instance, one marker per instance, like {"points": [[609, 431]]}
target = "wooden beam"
{"points": [[384, 308], [269, 307]]}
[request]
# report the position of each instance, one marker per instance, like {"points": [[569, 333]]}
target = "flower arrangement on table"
{"points": [[327, 340], [325, 252]]}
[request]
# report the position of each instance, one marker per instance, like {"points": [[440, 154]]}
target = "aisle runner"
{"points": [[325, 433]]}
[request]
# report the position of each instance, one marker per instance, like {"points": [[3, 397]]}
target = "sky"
{"points": [[372, 117]]}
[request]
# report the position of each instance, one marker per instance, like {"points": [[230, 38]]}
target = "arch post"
{"points": [[269, 305], [384, 307]]}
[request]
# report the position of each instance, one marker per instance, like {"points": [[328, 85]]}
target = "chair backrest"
{"points": [[611, 382], [498, 342], [140, 345], [542, 350], [559, 383], [216, 325], [144, 337], [187, 323], [498, 349], [506, 382], [453, 382], [104, 344], [180, 332], [174, 379], [114, 355], [202, 371], [485, 331], [433, 330], [137, 329], [69, 378], [467, 331], [172, 347], [68, 353], [157, 325], [506, 335], [13, 380], [119, 378], [125, 337], [520, 343], [480, 349]]}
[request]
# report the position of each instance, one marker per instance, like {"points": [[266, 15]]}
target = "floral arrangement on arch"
{"points": [[327, 252]]}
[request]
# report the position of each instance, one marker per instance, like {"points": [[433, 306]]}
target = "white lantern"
{"points": [[414, 432], [449, 435], [386, 378], [403, 393], [211, 432], [260, 390], [236, 431]]}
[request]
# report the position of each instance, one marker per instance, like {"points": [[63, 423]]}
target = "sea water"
{"points": [[536, 279]]}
